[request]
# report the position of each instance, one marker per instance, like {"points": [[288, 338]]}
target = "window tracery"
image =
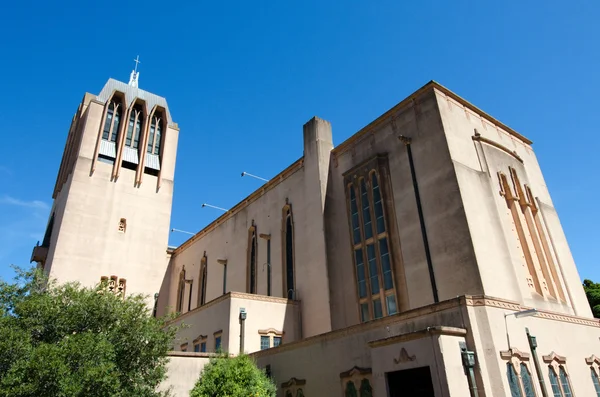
{"points": [[557, 372], [373, 266], [518, 373]]}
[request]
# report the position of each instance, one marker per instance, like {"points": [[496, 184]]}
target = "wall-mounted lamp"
{"points": [[182, 231], [254, 176], [243, 315], [524, 313], [214, 206]]}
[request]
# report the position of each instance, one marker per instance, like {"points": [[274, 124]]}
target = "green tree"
{"points": [[592, 291], [66, 340], [237, 376]]}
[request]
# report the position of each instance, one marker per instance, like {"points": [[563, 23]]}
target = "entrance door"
{"points": [[415, 382]]}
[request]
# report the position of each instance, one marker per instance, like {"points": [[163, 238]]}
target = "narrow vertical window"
{"points": [[202, 281], [112, 123], [132, 139], [526, 381], [350, 390], [595, 381], [366, 210], [513, 381], [191, 283], [108, 122], [155, 135], [265, 342], [354, 214], [365, 388], [181, 290], [564, 382], [554, 383], [252, 260], [288, 249]]}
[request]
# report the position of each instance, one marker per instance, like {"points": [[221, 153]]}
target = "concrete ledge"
{"points": [[438, 330]]}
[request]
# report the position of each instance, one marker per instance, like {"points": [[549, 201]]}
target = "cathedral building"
{"points": [[421, 257]]}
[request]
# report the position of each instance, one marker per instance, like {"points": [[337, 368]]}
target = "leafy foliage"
{"points": [[237, 376], [66, 340], [592, 291]]}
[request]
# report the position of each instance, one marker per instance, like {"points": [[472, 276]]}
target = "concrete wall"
{"points": [[453, 259], [87, 243], [574, 338], [183, 371], [476, 165], [222, 314], [302, 187]]}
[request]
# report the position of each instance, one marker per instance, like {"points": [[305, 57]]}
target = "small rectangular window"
{"points": [[364, 312], [265, 342], [217, 343], [203, 347], [196, 348], [390, 302], [276, 341], [377, 312]]}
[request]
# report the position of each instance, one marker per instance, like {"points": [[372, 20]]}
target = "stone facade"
{"points": [[404, 261]]}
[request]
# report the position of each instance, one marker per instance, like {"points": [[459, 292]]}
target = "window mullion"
{"points": [[382, 292], [363, 245]]}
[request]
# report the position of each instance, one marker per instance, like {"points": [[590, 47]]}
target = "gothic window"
{"points": [[203, 281], [252, 260], [518, 374], [155, 135], [559, 379], [293, 387], [112, 122], [288, 250], [375, 282], [357, 382], [181, 290], [531, 237], [136, 118], [513, 381], [350, 390]]}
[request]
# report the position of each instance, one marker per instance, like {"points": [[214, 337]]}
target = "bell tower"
{"points": [[112, 199]]}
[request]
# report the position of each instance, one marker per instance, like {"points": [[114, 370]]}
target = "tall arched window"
{"points": [[288, 252], [203, 279], [112, 123], [513, 381], [252, 260], [371, 251], [155, 136], [595, 381], [136, 118], [181, 290]]}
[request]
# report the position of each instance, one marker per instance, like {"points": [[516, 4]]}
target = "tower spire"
{"points": [[135, 75]]}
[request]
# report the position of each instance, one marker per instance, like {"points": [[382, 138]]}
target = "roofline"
{"points": [[283, 175], [431, 85]]}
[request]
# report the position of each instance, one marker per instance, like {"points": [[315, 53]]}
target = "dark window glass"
{"points": [[373, 273], [360, 273], [203, 347], [265, 342], [366, 210], [354, 211], [364, 312], [378, 205], [365, 388], [554, 383], [108, 122], [390, 301], [564, 382], [289, 255], [276, 341], [595, 381], [117, 125], [388, 282], [527, 382], [377, 312], [138, 128], [350, 390], [253, 263], [218, 343], [196, 348], [151, 136], [130, 129], [513, 381]]}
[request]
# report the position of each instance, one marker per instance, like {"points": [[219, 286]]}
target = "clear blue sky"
{"points": [[241, 78]]}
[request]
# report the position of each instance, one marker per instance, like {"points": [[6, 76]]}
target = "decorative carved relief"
{"points": [[404, 357], [122, 225], [293, 387], [114, 285]]}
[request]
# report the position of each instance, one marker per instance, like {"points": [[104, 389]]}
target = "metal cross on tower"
{"points": [[137, 62]]}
